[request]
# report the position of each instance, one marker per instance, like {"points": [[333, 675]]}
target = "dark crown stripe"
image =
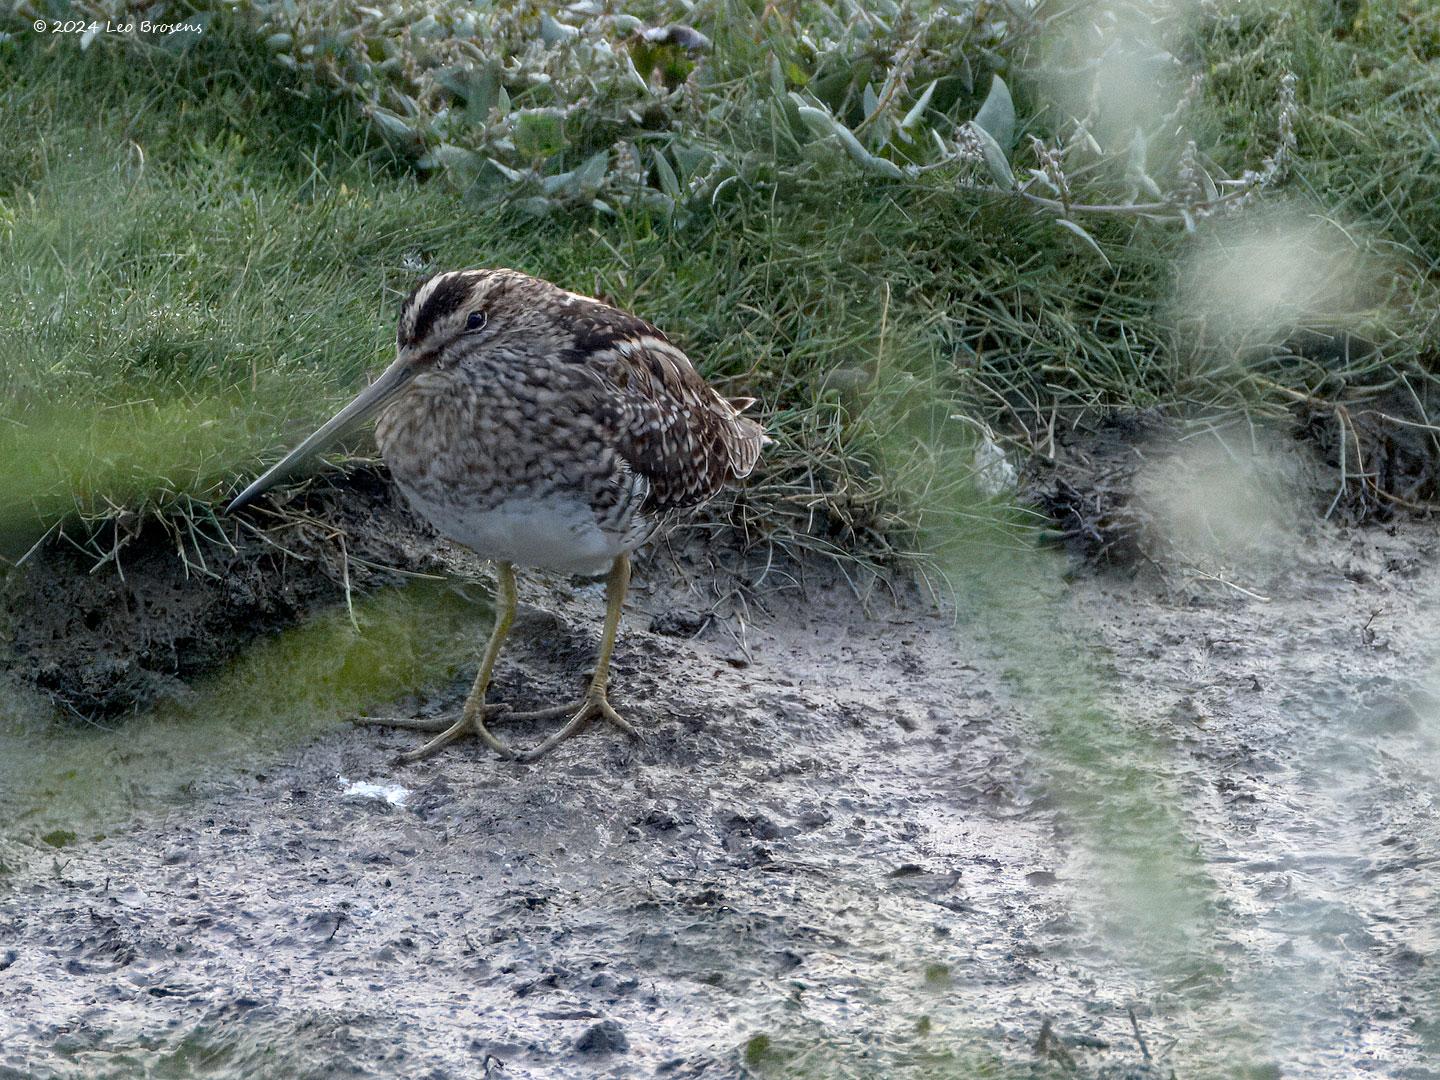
{"points": [[444, 300]]}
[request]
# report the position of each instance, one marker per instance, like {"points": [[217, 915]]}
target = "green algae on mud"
{"points": [[281, 692]]}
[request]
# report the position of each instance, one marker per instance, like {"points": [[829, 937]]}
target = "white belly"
{"points": [[553, 533]]}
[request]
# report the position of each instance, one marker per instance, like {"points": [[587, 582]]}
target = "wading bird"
{"points": [[545, 429]]}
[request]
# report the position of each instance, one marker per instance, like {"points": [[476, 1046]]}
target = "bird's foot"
{"points": [[593, 706], [451, 727]]}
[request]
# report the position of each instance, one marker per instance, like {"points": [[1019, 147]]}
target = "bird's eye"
{"points": [[475, 321]]}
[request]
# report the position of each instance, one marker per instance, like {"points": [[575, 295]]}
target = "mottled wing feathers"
{"points": [[599, 327], [669, 425]]}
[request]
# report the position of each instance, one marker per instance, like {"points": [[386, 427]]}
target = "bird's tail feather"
{"points": [[747, 439]]}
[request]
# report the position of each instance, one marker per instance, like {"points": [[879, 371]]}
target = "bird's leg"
{"points": [[595, 704], [581, 713], [472, 716]]}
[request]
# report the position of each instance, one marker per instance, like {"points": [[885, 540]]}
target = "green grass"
{"points": [[206, 255]]}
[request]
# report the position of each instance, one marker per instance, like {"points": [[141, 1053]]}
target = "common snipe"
{"points": [[545, 429]]}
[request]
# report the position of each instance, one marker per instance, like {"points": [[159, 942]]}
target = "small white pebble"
{"points": [[393, 794]]}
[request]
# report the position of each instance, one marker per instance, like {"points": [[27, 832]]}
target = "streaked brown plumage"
{"points": [[558, 407], [541, 428]]}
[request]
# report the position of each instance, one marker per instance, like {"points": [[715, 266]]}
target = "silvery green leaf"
{"points": [[1067, 224], [818, 121], [449, 156], [669, 183], [553, 33], [391, 124], [592, 174], [535, 205], [872, 164], [918, 109], [502, 102], [279, 41], [966, 73], [994, 157], [869, 102], [822, 123], [513, 175], [997, 114], [691, 159], [626, 24], [456, 78], [777, 77], [554, 185], [88, 36]]}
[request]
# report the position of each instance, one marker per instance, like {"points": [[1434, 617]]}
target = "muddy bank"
{"points": [[865, 835], [109, 624], [826, 852]]}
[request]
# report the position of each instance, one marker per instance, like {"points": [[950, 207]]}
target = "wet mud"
{"points": [[1061, 821], [110, 623]]}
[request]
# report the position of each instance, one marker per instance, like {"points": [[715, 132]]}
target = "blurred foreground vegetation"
{"points": [[907, 227]]}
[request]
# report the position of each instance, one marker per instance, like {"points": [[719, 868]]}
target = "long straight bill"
{"points": [[369, 402]]}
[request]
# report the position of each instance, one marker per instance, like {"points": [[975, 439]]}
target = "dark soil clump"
{"points": [[1385, 451], [1366, 462], [1087, 487]]}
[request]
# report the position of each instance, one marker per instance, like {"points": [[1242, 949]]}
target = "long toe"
{"points": [[458, 730], [494, 711], [554, 712], [594, 707], [608, 711]]}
